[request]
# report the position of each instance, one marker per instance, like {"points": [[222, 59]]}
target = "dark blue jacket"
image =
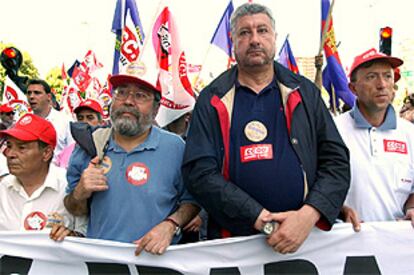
{"points": [[314, 137]]}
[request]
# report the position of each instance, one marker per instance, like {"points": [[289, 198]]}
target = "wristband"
{"points": [[177, 230]]}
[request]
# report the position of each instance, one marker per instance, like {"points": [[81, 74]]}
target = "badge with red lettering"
{"points": [[395, 146], [35, 221], [256, 152], [137, 173], [255, 131]]}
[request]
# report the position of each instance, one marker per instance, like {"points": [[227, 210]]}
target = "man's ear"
{"points": [[49, 97], [351, 86], [47, 153]]}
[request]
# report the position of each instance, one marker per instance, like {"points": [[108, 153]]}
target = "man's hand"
{"points": [[92, 180], [294, 227], [409, 215], [350, 215], [157, 239], [59, 232], [194, 225]]}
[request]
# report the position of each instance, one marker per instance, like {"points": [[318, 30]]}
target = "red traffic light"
{"points": [[10, 52], [386, 32]]}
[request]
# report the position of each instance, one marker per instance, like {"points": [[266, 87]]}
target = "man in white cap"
{"points": [[136, 194], [381, 145], [31, 197]]}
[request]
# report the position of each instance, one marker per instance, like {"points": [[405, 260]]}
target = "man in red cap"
{"points": [[31, 197], [381, 145], [136, 193], [88, 111], [6, 116]]}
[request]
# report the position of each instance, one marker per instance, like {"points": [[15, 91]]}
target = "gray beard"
{"points": [[130, 127]]}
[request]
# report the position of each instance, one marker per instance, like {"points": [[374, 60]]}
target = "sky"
{"points": [[57, 31]]}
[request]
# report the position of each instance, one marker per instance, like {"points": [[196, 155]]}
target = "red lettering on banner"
{"points": [[256, 152], [395, 146]]}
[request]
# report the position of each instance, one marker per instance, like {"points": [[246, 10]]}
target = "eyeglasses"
{"points": [[138, 96]]}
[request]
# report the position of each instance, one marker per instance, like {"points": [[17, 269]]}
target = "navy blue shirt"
{"points": [[276, 181]]}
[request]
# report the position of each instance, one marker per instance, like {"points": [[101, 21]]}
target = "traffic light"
{"points": [[385, 40], [11, 59]]}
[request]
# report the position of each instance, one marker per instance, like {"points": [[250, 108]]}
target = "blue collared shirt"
{"points": [[145, 187]]}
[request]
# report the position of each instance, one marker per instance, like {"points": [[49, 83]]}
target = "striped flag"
{"points": [[219, 55], [286, 57], [334, 75]]}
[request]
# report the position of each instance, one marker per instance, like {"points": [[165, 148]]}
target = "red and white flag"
{"points": [[15, 98], [81, 78], [90, 63], [163, 64]]}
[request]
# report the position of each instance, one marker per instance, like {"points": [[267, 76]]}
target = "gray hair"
{"points": [[249, 9]]}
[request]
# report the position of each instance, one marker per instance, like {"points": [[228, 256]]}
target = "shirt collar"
{"points": [[150, 143], [389, 123], [50, 181]]}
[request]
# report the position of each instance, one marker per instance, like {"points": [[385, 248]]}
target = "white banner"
{"points": [[380, 248]]}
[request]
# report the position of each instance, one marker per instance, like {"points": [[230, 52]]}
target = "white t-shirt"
{"points": [[3, 165], [19, 212], [61, 123], [382, 165]]}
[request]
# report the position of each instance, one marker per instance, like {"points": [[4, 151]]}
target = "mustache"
{"points": [[126, 109]]}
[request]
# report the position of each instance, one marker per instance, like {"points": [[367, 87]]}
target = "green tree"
{"points": [[54, 79]]}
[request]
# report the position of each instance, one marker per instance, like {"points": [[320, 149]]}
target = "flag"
{"points": [[72, 68], [15, 98], [105, 98], [335, 74], [163, 63], [219, 55], [90, 63], [64, 73], [286, 57], [126, 24], [81, 78]]}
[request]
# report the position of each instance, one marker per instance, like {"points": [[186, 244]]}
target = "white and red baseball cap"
{"points": [[131, 75], [31, 127], [372, 54]]}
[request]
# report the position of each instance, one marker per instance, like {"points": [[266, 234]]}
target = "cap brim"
{"points": [[117, 80], [19, 134]]}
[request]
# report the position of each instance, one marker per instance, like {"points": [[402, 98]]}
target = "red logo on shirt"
{"points": [[256, 152], [395, 146], [137, 173], [35, 221]]}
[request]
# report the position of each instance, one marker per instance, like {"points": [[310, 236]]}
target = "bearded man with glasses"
{"points": [[137, 193]]}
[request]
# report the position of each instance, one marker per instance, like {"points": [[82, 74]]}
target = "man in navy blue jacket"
{"points": [[262, 146]]}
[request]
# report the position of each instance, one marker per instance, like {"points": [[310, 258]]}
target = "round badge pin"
{"points": [[137, 173], [35, 221], [255, 131], [106, 164]]}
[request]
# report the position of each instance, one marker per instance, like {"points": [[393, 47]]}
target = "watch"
{"points": [[177, 230]]}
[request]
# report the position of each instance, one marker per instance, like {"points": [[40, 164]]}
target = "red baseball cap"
{"points": [[31, 127], [131, 75], [89, 104], [6, 108], [372, 54]]}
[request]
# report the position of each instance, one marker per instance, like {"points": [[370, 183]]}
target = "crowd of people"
{"points": [[259, 153]]}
